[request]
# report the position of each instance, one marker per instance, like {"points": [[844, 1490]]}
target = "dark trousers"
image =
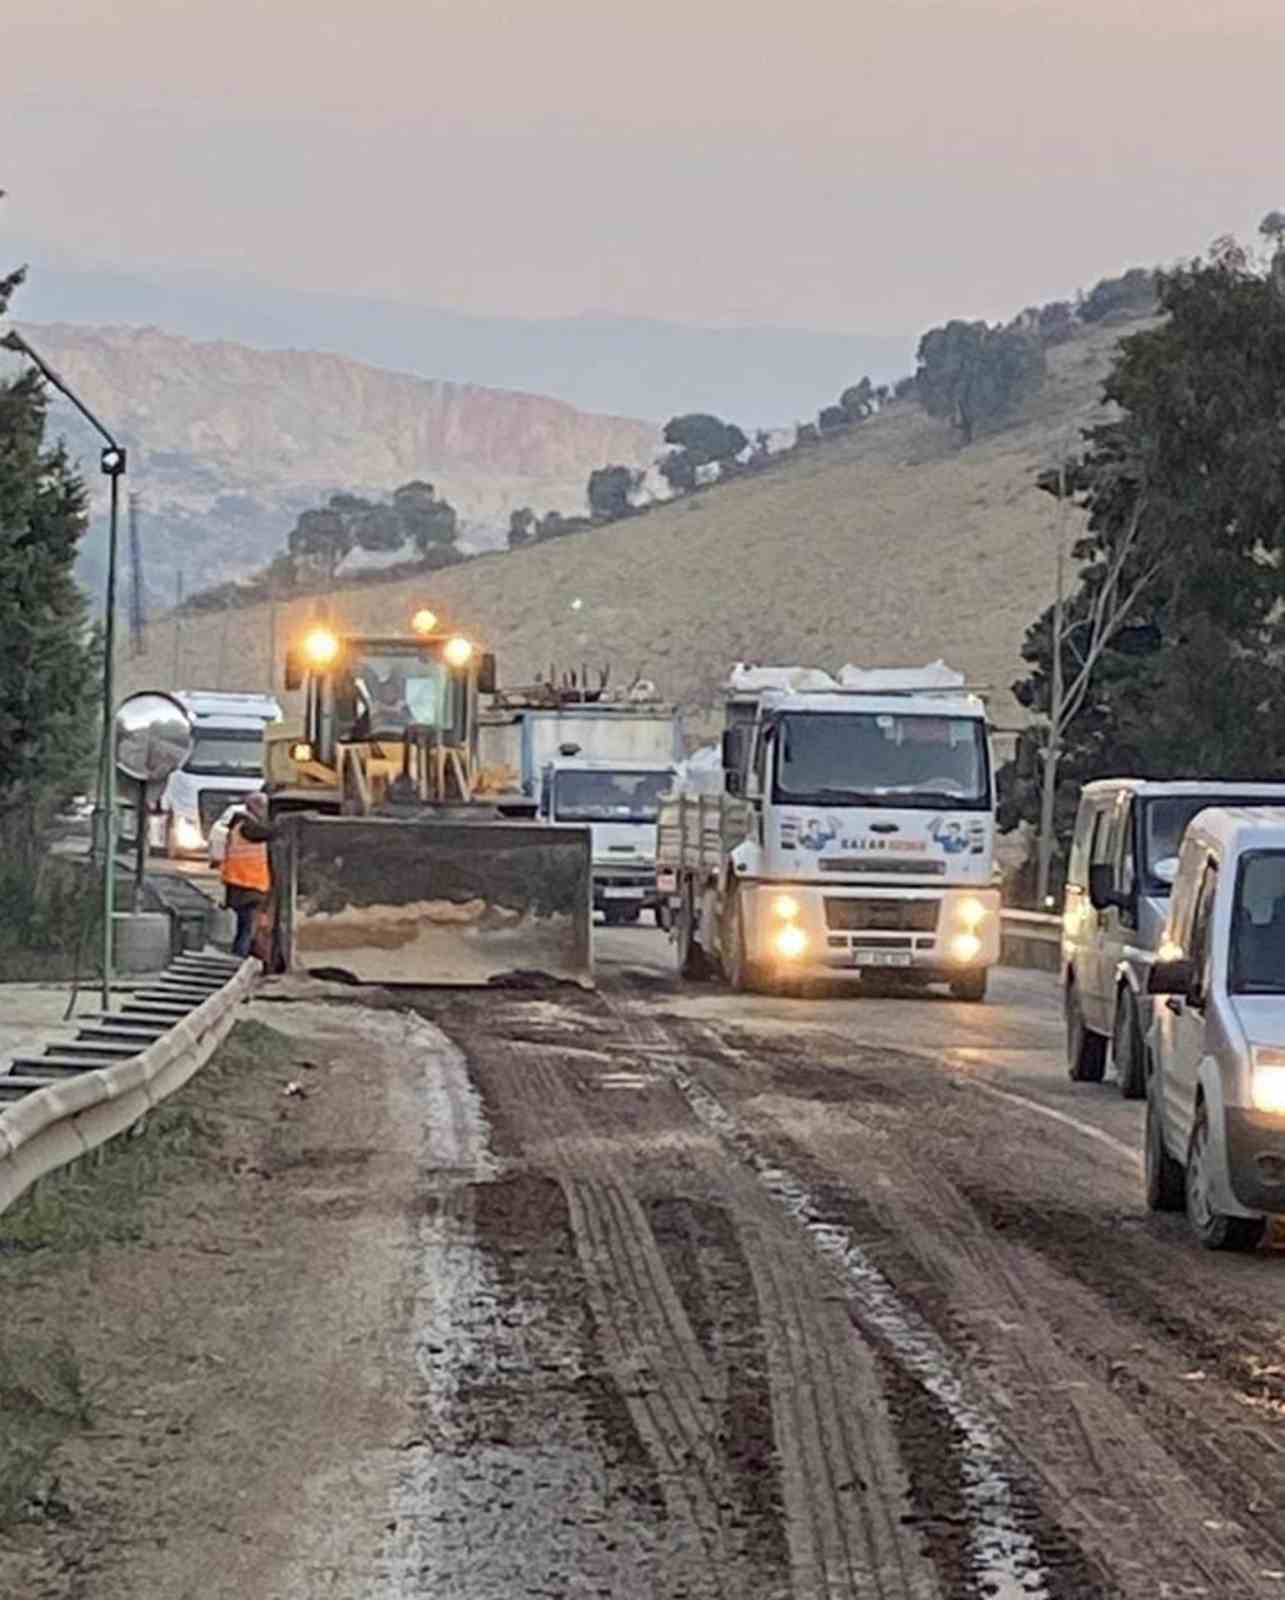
{"points": [[245, 916]]}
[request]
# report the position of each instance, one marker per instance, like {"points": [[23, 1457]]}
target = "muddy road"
{"points": [[689, 1295]]}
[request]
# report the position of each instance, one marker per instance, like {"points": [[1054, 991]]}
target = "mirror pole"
{"points": [[109, 744], [140, 842]]}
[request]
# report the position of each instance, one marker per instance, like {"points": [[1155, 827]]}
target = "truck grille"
{"points": [[212, 803], [882, 916], [886, 866]]}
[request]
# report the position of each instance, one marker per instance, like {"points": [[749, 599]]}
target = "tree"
{"points": [[972, 374], [322, 538], [1056, 322], [831, 417], [1169, 647], [905, 388], [1272, 228], [551, 525], [425, 520], [1132, 294], [857, 401], [48, 659], [521, 527], [609, 491], [705, 438], [678, 469]]}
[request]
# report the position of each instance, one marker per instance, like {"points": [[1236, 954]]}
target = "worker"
{"points": [[247, 877]]}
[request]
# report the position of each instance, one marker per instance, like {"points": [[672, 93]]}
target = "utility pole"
{"points": [[1052, 752], [137, 619]]}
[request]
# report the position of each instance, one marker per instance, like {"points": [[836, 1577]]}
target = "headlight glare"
{"points": [[790, 941], [1268, 1083], [786, 907], [965, 947]]}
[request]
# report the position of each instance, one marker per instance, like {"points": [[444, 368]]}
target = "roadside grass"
{"points": [[100, 1201]]}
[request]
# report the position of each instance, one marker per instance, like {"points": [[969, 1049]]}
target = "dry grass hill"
{"points": [[887, 546]]}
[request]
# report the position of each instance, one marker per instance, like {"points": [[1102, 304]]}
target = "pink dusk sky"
{"points": [[851, 166]]}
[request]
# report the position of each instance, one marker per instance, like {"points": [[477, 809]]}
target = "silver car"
{"points": [[1124, 854], [1215, 1139]]}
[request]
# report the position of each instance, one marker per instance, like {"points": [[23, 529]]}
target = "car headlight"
{"points": [[786, 907], [790, 941], [1267, 1086], [187, 834], [965, 947], [971, 913]]}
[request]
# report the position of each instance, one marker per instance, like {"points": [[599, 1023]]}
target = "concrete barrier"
{"points": [[1030, 939], [59, 1124]]}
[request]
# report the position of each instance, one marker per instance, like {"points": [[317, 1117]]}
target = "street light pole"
{"points": [[112, 461]]}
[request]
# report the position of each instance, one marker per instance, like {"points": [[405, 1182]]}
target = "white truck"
{"points": [[225, 765], [620, 801], [845, 827]]}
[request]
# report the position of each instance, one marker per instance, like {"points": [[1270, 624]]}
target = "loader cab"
{"points": [[378, 690]]}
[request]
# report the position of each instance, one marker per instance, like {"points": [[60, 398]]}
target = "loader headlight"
{"points": [[424, 621], [321, 647], [301, 751], [971, 913], [786, 907], [1267, 1089], [965, 947], [790, 941], [187, 834], [458, 652]]}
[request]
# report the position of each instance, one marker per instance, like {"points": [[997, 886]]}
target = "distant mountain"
{"points": [[227, 444], [758, 376]]}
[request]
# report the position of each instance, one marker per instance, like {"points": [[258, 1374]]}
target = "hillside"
{"points": [[229, 443], [888, 545]]}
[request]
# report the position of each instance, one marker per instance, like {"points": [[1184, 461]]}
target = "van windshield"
{"points": [[875, 759], [1165, 821], [1258, 925], [225, 755], [609, 796]]}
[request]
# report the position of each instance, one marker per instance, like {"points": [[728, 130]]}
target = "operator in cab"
{"points": [[247, 876]]}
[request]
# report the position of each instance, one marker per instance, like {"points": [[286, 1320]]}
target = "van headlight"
{"points": [[1267, 1085], [187, 834]]}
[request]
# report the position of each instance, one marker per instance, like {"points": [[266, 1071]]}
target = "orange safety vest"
{"points": [[245, 864]]}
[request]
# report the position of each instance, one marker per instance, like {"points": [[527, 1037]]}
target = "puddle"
{"points": [[1005, 1558]]}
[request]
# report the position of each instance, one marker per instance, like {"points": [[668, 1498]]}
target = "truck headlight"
{"points": [[965, 947], [971, 913], [1267, 1087], [786, 907], [187, 834], [790, 941]]}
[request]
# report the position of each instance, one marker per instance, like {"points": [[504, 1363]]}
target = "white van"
{"points": [[1123, 858], [224, 765], [1216, 1054]]}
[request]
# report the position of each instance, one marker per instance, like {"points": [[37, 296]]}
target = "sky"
{"points": [[839, 164]]}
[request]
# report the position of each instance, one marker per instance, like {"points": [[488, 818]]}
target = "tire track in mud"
{"points": [[844, 1489], [1139, 1495]]}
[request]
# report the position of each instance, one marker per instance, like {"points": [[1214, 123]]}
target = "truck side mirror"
{"points": [[1171, 977], [732, 782], [294, 670], [486, 675]]}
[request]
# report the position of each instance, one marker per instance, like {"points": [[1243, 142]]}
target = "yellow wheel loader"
{"points": [[393, 863]]}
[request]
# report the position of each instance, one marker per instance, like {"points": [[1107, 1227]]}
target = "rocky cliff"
{"points": [[228, 443]]}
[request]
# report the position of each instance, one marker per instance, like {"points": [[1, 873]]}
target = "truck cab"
{"points": [[620, 801], [224, 765]]}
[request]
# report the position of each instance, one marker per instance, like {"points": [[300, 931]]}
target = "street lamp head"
{"points": [[112, 461]]}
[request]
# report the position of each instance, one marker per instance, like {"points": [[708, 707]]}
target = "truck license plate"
{"points": [[881, 958], [622, 894]]}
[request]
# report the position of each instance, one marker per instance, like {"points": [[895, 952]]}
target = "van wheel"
{"points": [[1086, 1051], [1126, 1048], [1166, 1180], [1215, 1230], [693, 963], [970, 986]]}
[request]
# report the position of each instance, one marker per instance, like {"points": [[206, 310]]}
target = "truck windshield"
{"points": [[608, 796], [878, 759], [396, 690], [225, 755], [1258, 925]]}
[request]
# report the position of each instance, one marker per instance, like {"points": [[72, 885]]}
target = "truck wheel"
{"points": [[1126, 1049], [1086, 1052], [1214, 1229], [970, 986], [693, 963], [740, 974], [1166, 1180]]}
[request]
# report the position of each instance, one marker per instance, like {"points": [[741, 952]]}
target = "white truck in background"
{"points": [[620, 801], [846, 827], [224, 766]]}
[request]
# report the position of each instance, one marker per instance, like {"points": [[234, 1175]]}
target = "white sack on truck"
{"points": [[936, 675]]}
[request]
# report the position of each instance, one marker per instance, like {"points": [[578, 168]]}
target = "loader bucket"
{"points": [[400, 901]]}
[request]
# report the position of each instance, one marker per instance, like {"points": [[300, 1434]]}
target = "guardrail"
{"points": [[1030, 939], [81, 1094]]}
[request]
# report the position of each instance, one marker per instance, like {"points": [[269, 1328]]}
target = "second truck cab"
{"points": [[620, 801]]}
